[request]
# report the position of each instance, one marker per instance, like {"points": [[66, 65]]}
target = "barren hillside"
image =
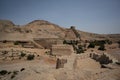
{"points": [[45, 29]]}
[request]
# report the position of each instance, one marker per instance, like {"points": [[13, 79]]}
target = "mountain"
{"points": [[45, 29]]}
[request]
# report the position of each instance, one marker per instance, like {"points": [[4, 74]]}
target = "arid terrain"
{"points": [[41, 50]]}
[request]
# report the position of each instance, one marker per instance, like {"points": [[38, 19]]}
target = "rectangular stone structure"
{"points": [[61, 49]]}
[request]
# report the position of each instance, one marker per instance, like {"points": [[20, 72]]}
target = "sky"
{"points": [[97, 16]]}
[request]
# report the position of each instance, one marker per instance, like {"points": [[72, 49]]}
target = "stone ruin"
{"points": [[13, 54], [61, 50], [60, 63]]}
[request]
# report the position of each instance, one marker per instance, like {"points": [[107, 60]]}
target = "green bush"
{"points": [[30, 57], [80, 46], [3, 72], [64, 42], [99, 42], [109, 42], [15, 72], [4, 41], [102, 47], [91, 45], [12, 76], [22, 54], [22, 69], [9, 72], [16, 43], [70, 42], [117, 63], [80, 51], [104, 59], [119, 43]]}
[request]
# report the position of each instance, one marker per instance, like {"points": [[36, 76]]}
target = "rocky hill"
{"points": [[45, 29]]}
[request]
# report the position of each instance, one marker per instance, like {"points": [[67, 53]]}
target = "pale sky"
{"points": [[97, 16]]}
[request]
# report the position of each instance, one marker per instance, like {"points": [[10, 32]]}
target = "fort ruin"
{"points": [[61, 50]]}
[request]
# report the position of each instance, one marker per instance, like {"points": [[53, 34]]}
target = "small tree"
{"points": [[103, 59], [80, 49], [16, 43], [119, 43], [64, 42], [110, 42], [22, 54], [91, 45], [102, 47], [4, 41], [22, 69], [100, 42], [30, 57], [3, 72], [80, 46]]}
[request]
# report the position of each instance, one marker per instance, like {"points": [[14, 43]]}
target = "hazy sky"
{"points": [[98, 16]]}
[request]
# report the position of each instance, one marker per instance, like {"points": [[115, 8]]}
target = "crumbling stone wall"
{"points": [[61, 50], [60, 63], [12, 54]]}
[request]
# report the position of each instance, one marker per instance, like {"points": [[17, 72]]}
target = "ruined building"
{"points": [[61, 50]]}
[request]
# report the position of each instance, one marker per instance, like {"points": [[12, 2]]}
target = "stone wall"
{"points": [[12, 54], [61, 50], [48, 42], [60, 63]]}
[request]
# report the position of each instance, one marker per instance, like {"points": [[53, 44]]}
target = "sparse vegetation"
{"points": [[4, 41], [118, 63], [75, 31], [16, 43], [80, 49], [38, 55], [15, 72], [30, 57], [47, 53], [119, 43], [91, 45], [22, 54], [64, 42], [70, 42], [22, 69], [74, 43], [103, 59], [4, 52], [100, 42], [9, 72], [3, 72], [12, 76], [109, 42], [102, 47]]}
